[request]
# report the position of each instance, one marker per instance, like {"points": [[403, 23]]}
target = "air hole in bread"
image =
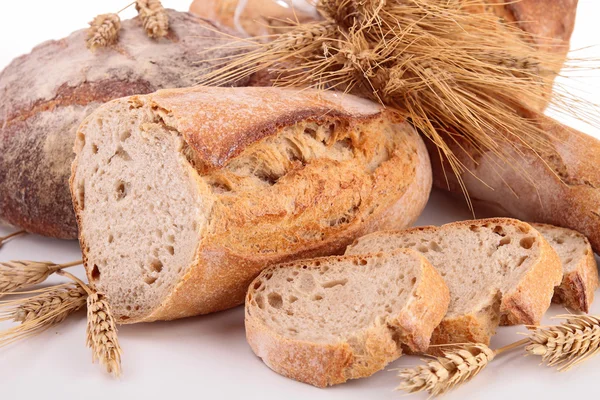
{"points": [[128, 308], [95, 273], [94, 148], [474, 228], [111, 238], [170, 250], [290, 279], [124, 318], [260, 302], [257, 285], [423, 249], [568, 261], [275, 300], [150, 280], [435, 247], [523, 229], [527, 242], [81, 195], [121, 190], [498, 230], [413, 280], [122, 154], [560, 240], [156, 266], [363, 262], [331, 284], [126, 134], [504, 241], [292, 299], [317, 297]]}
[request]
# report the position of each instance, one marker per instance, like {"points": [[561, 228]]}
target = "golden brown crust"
{"points": [[324, 365], [232, 122]]}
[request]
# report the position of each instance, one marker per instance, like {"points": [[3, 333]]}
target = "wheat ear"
{"points": [[103, 31], [460, 364], [17, 275], [4, 239], [48, 307], [101, 330], [568, 344], [154, 18]]}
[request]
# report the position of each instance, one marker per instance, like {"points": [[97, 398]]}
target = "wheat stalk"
{"points": [[4, 239], [103, 31], [17, 275], [568, 344], [101, 330], [442, 374], [154, 18], [48, 307]]}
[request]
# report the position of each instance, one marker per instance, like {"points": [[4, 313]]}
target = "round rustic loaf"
{"points": [[183, 196], [47, 93]]}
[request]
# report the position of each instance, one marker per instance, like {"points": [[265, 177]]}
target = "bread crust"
{"points": [[325, 365], [576, 291], [243, 240], [525, 304], [48, 93]]}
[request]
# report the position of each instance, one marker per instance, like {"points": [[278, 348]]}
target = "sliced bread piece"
{"points": [[498, 270], [326, 320], [580, 279]]}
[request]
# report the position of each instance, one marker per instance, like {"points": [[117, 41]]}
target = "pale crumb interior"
{"points": [[572, 247], [141, 211], [333, 300], [479, 262]]}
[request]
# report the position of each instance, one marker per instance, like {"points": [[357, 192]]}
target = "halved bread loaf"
{"points": [[580, 279], [498, 270], [326, 320], [183, 196]]}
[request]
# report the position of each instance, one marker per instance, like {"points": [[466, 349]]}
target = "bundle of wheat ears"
{"points": [[448, 70]]}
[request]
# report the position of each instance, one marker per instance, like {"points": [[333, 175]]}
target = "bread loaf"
{"points": [[560, 186], [47, 93], [580, 269], [498, 271], [184, 196], [326, 320]]}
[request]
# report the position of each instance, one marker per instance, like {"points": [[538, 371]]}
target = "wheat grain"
{"points": [[102, 334], [154, 18], [17, 275], [568, 344], [3, 239], [48, 307], [101, 329], [442, 374], [103, 31]]}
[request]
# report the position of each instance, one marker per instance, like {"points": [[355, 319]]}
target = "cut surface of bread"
{"points": [[580, 279], [326, 320], [183, 196], [498, 271]]}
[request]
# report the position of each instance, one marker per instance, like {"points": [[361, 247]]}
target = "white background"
{"points": [[207, 357]]}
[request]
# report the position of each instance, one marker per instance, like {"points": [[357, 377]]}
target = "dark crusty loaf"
{"points": [[184, 196], [498, 271], [326, 320], [47, 93]]}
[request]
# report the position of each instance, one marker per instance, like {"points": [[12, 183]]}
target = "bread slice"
{"points": [[580, 269], [498, 270], [184, 196], [326, 320]]}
